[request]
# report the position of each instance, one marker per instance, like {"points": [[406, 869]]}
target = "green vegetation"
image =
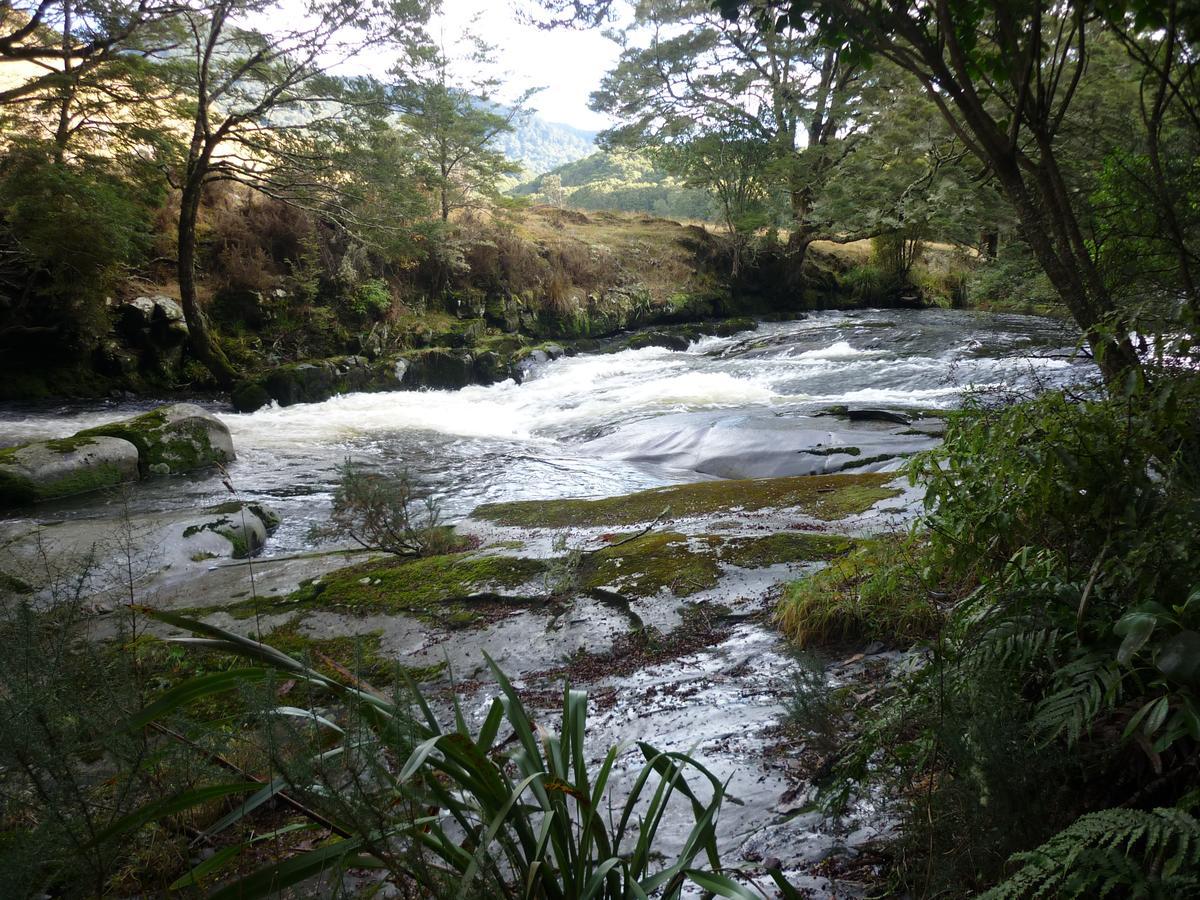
{"points": [[538, 803], [457, 590], [869, 595], [826, 497], [1058, 584], [646, 565]]}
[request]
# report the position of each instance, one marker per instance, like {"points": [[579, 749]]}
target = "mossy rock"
{"points": [[651, 563], [784, 547], [248, 396], [453, 590], [48, 470], [244, 525], [358, 654], [176, 438], [825, 497]]}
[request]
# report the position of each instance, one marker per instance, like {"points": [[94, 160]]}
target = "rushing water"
{"points": [[601, 424]]}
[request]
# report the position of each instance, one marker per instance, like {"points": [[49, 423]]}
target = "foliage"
{"points": [[623, 180], [456, 814], [874, 593], [1065, 525], [1115, 852], [70, 232], [384, 513]]}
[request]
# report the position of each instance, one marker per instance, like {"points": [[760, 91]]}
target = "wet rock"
{"points": [[158, 318], [659, 339], [734, 326], [176, 438], [248, 396], [526, 366], [877, 415], [490, 368], [47, 470], [244, 527], [440, 369]]}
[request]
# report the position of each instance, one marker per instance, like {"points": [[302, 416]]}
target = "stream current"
{"points": [[603, 424]]}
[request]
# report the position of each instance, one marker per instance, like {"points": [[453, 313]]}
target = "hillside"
{"points": [[623, 181], [541, 146]]}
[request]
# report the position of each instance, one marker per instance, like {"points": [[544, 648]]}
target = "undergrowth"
{"points": [[1048, 732]]}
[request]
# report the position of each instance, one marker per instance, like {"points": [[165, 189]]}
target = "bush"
{"points": [[1065, 680], [874, 593], [372, 299], [383, 513]]}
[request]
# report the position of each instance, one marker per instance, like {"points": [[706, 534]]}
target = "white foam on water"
{"points": [[581, 390], [838, 350]]}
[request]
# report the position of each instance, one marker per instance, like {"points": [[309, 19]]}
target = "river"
{"points": [[604, 424]]}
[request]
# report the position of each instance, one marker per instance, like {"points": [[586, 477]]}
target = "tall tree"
{"points": [[1003, 76], [454, 120], [263, 108], [751, 74]]}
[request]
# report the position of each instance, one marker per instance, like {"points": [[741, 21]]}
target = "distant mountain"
{"points": [[541, 146], [622, 180]]}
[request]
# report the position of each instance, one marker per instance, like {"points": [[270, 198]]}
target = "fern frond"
{"points": [[1088, 686], [1128, 852]]}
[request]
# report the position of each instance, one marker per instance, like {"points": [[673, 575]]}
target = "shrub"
{"points": [[372, 299], [1065, 680], [383, 513], [874, 593]]}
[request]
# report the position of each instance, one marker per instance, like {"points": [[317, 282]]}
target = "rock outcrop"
{"points": [[173, 439]]}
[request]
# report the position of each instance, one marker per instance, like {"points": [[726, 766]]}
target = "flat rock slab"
{"points": [[47, 470]]}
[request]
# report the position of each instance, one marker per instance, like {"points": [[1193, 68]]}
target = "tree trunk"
{"points": [[200, 340]]}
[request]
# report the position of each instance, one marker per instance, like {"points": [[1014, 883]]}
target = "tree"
{"points": [[734, 169], [1003, 76], [553, 189], [453, 124], [265, 110], [749, 75], [67, 40]]}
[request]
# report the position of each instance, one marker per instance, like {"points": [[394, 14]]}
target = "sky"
{"points": [[568, 64]]}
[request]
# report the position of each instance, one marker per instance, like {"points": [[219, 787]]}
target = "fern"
{"points": [[1125, 852], [1089, 685]]}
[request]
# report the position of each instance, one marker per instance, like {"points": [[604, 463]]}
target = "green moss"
{"points": [[435, 589], [785, 547], [644, 566], [69, 444], [181, 449], [827, 497]]}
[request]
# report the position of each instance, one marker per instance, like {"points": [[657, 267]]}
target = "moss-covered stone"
{"points": [[827, 497], [452, 590], [48, 470], [248, 396], [180, 437], [645, 566], [784, 547]]}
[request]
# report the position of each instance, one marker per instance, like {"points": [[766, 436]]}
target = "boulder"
{"points": [[877, 415], [175, 438], [244, 526], [659, 339], [153, 321], [248, 396], [440, 369], [47, 470]]}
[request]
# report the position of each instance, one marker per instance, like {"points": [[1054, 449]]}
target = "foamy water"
{"points": [[539, 439]]}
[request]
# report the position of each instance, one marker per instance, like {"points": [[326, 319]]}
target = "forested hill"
{"points": [[540, 146], [624, 181]]}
